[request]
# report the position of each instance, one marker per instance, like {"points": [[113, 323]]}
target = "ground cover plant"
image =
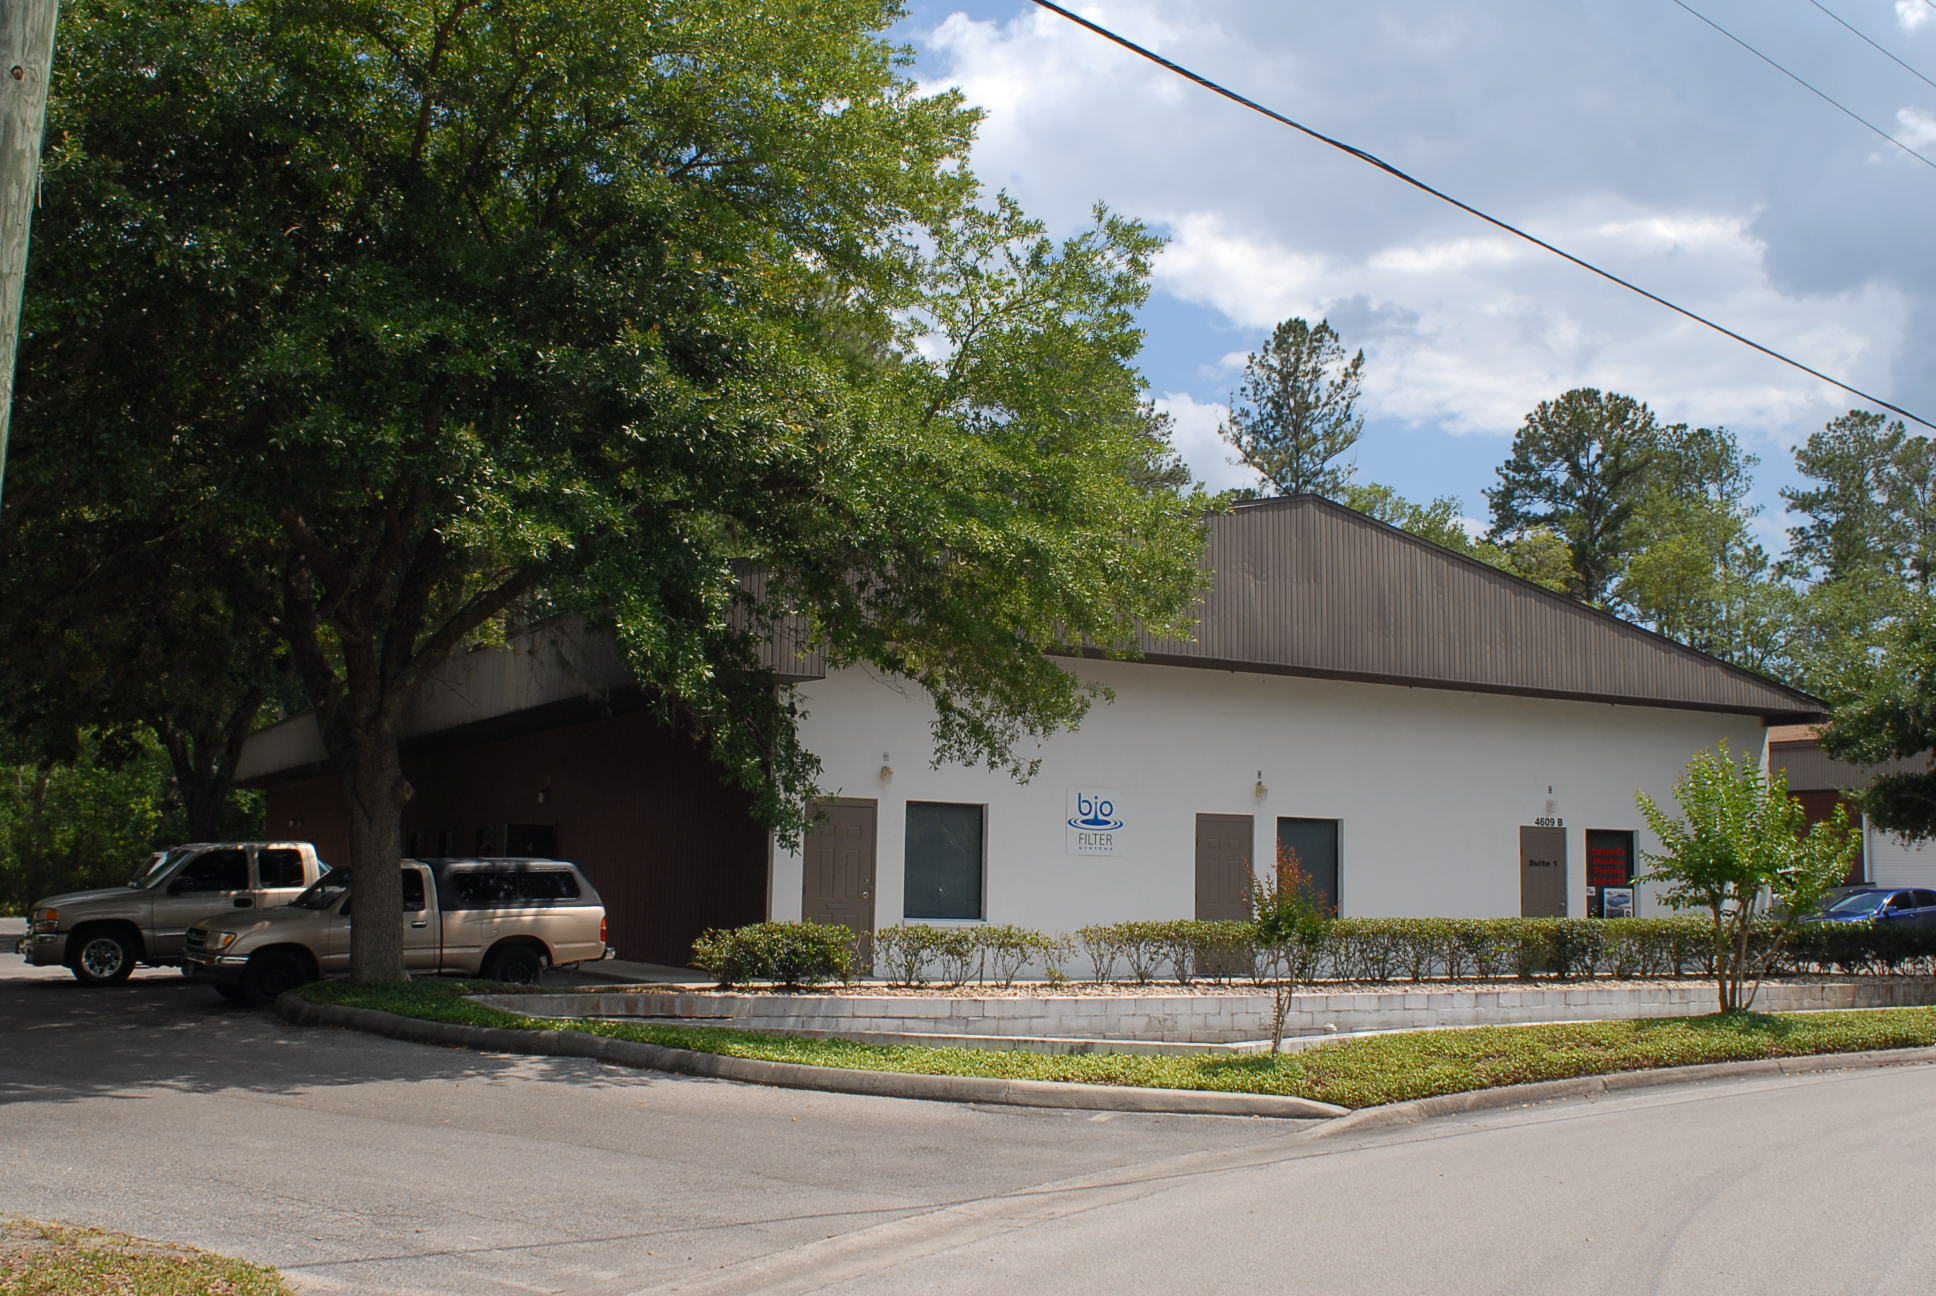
{"points": [[38, 1259], [1363, 1072]]}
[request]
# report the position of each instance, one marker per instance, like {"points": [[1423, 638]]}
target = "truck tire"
{"points": [[269, 975], [516, 964], [101, 956]]}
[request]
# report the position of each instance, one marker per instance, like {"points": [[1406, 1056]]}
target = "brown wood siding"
{"points": [[669, 847], [1819, 806], [1305, 586], [1811, 769]]}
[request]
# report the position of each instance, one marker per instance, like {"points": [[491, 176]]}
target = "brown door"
{"points": [[1542, 872], [838, 886], [1223, 866]]}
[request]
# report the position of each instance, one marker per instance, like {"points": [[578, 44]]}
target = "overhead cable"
{"points": [[1872, 45], [1823, 95], [1372, 160]]}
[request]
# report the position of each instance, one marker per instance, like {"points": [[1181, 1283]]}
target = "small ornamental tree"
{"points": [[1743, 841], [1292, 919]]}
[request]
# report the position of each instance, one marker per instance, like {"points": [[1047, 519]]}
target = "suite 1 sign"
{"points": [[1095, 822]]}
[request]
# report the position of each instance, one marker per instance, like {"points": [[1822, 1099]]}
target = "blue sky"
{"points": [[1628, 132]]}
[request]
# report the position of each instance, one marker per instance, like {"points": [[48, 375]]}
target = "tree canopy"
{"points": [[467, 310], [1580, 466], [1296, 410]]}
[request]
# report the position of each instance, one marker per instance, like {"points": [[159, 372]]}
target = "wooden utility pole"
{"points": [[26, 58]]}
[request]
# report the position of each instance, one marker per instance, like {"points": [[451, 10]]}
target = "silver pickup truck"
{"points": [[504, 919], [103, 934]]}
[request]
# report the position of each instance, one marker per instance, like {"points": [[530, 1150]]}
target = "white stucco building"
{"points": [[1433, 736]]}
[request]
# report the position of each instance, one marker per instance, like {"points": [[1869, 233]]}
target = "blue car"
{"points": [[1892, 905]]}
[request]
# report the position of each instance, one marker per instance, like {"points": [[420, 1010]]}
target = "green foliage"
{"points": [[1740, 836], [1869, 507], [1292, 921], [1352, 1073], [42, 1259], [1296, 410], [90, 821], [1695, 571], [1875, 947], [475, 313], [1580, 466], [1102, 945], [1885, 711], [1864, 542], [789, 954], [1221, 951], [1006, 951]]}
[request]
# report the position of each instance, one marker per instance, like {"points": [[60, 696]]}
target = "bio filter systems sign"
{"points": [[1095, 822]]}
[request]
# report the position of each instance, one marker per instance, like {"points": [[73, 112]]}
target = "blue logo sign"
{"points": [[1095, 814]]}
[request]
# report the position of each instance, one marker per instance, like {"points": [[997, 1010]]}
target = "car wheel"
{"points": [[269, 975], [103, 957], [517, 964]]}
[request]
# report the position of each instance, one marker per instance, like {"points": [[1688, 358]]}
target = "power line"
{"points": [[1879, 49], [1375, 161], [1823, 95]]}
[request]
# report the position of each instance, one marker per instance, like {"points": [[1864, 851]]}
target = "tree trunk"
{"points": [[204, 765], [373, 787]]}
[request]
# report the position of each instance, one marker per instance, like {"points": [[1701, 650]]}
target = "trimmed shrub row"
{"points": [[1377, 950]]}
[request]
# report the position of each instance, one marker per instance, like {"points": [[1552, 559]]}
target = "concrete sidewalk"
{"points": [[624, 972]]}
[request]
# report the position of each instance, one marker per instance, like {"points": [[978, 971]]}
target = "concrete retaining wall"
{"points": [[1201, 1019]]}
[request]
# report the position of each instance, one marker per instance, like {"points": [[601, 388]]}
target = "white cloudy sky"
{"points": [[1626, 131]]}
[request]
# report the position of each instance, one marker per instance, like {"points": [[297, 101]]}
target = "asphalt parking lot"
{"points": [[360, 1164]]}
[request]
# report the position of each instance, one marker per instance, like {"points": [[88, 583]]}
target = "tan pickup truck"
{"points": [[102, 934], [504, 919]]}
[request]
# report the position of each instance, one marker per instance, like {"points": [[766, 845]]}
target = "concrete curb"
{"points": [[788, 1075], [1046, 1093], [1394, 1115]]}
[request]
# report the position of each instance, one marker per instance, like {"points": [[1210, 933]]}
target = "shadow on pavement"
{"points": [[66, 1042]]}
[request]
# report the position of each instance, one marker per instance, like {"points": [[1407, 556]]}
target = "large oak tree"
{"points": [[460, 306]]}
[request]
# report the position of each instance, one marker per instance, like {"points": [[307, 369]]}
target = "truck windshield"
{"points": [[158, 867], [324, 891]]}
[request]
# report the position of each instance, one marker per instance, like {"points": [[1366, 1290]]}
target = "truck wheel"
{"points": [[101, 957], [269, 975], [517, 964]]}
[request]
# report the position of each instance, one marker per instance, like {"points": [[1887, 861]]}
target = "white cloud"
{"points": [[1612, 131], [1916, 128], [1201, 445], [1484, 334]]}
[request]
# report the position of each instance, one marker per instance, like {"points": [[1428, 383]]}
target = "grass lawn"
{"points": [[1352, 1073], [58, 1260]]}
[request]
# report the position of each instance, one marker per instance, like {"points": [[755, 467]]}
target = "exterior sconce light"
{"points": [[887, 769], [295, 821], [1260, 791], [544, 795]]}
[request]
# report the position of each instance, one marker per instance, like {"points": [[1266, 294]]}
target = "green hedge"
{"points": [[1377, 950], [791, 954]]}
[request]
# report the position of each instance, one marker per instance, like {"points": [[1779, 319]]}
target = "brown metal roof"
{"points": [[1303, 586]]}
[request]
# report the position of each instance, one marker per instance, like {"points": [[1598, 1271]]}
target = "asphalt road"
{"points": [[362, 1165]]}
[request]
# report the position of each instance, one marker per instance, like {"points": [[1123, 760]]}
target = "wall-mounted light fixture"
{"points": [[295, 821], [544, 795], [887, 769], [1260, 791]]}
